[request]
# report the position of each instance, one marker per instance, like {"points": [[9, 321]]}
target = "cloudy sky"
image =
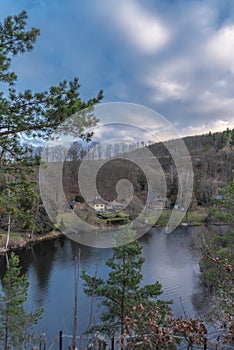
{"points": [[176, 57]]}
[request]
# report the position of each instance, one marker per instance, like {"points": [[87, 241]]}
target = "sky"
{"points": [[174, 57]]}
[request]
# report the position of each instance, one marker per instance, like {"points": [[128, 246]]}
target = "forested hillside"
{"points": [[212, 157]]}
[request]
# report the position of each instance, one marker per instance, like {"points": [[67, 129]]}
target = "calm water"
{"points": [[170, 259]]}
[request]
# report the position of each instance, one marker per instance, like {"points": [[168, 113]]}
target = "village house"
{"points": [[156, 201], [98, 205]]}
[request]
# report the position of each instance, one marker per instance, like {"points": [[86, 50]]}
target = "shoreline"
{"points": [[25, 240], [21, 240]]}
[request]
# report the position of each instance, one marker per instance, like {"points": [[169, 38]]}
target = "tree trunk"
{"points": [[36, 216], [123, 301], [76, 287], [8, 231]]}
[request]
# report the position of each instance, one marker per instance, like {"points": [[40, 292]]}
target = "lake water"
{"points": [[170, 259]]}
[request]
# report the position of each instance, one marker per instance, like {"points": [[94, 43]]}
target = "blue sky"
{"points": [[176, 57]]}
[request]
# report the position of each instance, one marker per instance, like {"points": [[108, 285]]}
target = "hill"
{"points": [[212, 157]]}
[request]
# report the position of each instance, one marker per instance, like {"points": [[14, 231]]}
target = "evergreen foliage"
{"points": [[29, 115], [218, 255], [123, 290], [16, 325], [18, 198]]}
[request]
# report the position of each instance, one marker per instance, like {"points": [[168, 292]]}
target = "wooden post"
{"points": [[75, 311], [60, 340], [113, 342], [44, 341]]}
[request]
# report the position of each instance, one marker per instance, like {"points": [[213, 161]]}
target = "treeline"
{"points": [[212, 157]]}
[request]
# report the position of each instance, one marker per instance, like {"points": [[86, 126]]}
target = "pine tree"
{"points": [[30, 114], [123, 290], [16, 325], [218, 255], [18, 201]]}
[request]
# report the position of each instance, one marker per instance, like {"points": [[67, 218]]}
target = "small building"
{"points": [[116, 205], [109, 208], [74, 205], [99, 207], [71, 204], [156, 201], [98, 204]]}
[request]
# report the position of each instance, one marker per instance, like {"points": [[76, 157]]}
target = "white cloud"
{"points": [[211, 101], [137, 26], [193, 80], [170, 80], [166, 55], [221, 83], [220, 48], [167, 89], [212, 125]]}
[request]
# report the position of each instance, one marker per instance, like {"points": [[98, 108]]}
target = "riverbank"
{"points": [[196, 217], [20, 240]]}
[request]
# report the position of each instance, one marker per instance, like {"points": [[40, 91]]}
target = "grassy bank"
{"points": [[20, 240], [195, 218]]}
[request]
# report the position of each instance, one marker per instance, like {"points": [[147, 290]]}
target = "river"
{"points": [[49, 265]]}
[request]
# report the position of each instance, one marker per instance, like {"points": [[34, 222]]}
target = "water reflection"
{"points": [[49, 265]]}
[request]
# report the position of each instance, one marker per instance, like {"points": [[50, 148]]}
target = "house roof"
{"points": [[98, 200], [116, 204]]}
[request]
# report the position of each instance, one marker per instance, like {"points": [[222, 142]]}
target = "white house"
{"points": [[99, 207]]}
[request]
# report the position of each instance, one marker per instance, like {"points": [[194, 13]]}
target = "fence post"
{"points": [[112, 342], [60, 340]]}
